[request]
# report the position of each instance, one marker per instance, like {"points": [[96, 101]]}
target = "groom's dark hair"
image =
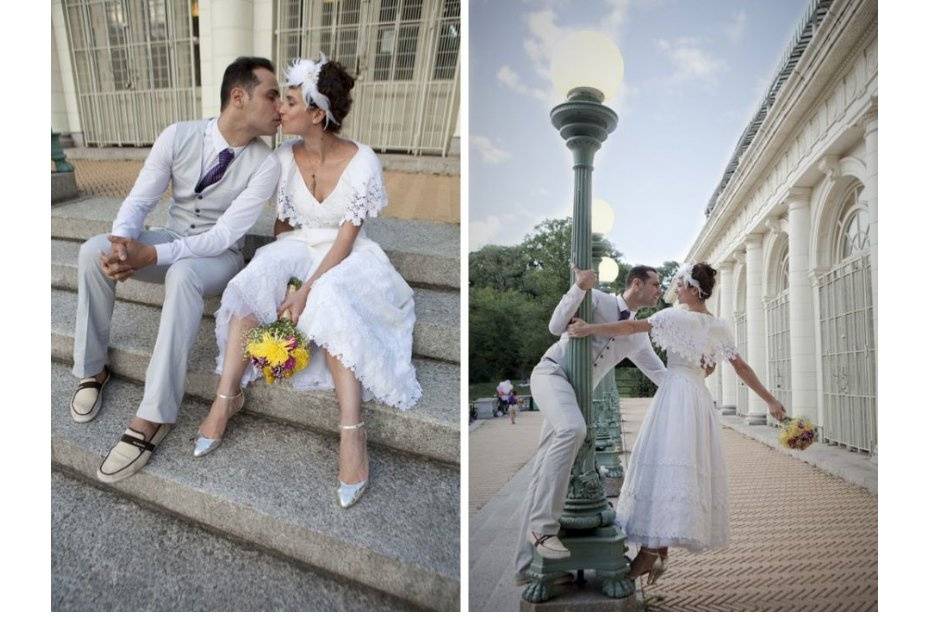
{"points": [[639, 272], [241, 73]]}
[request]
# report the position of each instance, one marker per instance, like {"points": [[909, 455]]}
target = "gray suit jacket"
{"points": [[606, 351]]}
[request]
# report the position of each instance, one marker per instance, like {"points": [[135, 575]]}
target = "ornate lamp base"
{"points": [[601, 550]]}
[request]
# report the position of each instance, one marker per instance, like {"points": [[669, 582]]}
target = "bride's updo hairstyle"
{"points": [[336, 83], [705, 275], [323, 84]]}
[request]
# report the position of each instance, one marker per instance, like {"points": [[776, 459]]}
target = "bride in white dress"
{"points": [[353, 306], [675, 488]]}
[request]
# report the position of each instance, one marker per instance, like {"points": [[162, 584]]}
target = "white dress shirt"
{"points": [[153, 180], [606, 351]]}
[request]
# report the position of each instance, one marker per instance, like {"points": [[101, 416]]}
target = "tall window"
{"points": [[853, 238], [448, 41], [397, 39]]}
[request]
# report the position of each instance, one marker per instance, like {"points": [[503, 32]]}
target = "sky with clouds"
{"points": [[694, 73]]}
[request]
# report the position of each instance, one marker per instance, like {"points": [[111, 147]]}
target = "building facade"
{"points": [[122, 70], [792, 230]]}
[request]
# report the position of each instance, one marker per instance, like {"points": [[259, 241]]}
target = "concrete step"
{"points": [[430, 429], [437, 326], [274, 486], [108, 553], [425, 253]]}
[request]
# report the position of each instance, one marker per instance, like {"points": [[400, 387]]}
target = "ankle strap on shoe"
{"points": [[357, 426], [235, 396]]}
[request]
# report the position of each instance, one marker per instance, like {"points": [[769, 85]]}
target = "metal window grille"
{"points": [[740, 335], [404, 54], [779, 362], [778, 348], [847, 339], [136, 67]]}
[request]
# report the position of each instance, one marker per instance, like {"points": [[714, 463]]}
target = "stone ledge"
{"points": [[174, 565], [430, 429], [274, 486], [63, 186], [425, 164], [586, 598]]}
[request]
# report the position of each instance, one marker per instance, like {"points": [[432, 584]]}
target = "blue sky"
{"points": [[694, 72]]}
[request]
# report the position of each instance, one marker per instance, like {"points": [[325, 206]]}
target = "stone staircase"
{"points": [[271, 486]]}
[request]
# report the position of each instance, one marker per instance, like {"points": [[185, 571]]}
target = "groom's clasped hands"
{"points": [[125, 257]]}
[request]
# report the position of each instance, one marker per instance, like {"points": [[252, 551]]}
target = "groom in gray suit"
{"points": [[564, 429], [221, 174]]}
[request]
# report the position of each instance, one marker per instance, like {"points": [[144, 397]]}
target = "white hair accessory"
{"points": [[304, 72], [683, 274]]}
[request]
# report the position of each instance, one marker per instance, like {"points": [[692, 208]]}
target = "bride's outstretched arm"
{"points": [[579, 328], [746, 373], [340, 249]]}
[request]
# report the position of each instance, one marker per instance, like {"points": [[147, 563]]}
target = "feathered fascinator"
{"points": [[683, 274], [305, 73]]}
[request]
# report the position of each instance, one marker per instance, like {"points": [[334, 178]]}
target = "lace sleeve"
{"points": [[368, 195], [674, 329]]}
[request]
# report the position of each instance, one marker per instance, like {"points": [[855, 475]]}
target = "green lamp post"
{"points": [[583, 121], [605, 396]]}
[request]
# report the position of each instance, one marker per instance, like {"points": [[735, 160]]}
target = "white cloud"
{"points": [[493, 229], [735, 30], [489, 152], [690, 60], [513, 80]]}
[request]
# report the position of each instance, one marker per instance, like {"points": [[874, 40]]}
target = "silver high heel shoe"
{"points": [[350, 493], [203, 445]]}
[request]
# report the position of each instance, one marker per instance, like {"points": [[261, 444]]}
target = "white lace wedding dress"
{"points": [[361, 311], [675, 487]]}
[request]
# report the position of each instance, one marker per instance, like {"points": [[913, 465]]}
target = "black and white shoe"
{"points": [[88, 398], [130, 454]]}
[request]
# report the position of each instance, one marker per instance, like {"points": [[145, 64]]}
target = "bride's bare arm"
{"points": [[579, 328], [746, 373], [340, 249]]}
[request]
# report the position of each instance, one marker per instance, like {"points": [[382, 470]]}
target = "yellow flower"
{"points": [[269, 375], [302, 359], [273, 350]]}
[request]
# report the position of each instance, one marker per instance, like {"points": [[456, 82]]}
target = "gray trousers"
{"points": [[562, 434], [186, 282]]}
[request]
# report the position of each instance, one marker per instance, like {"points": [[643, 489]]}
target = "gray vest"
{"points": [[194, 213]]}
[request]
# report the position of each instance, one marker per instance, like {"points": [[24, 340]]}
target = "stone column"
{"points": [[801, 306], [264, 31], [756, 326], [62, 48], [226, 32], [728, 402]]}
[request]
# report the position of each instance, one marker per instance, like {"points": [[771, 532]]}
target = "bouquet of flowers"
{"points": [[797, 433], [278, 350]]}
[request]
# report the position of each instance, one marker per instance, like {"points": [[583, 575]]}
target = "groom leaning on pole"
{"points": [[221, 174], [563, 429]]}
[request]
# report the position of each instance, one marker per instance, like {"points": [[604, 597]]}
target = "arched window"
{"points": [[782, 274], [853, 235]]}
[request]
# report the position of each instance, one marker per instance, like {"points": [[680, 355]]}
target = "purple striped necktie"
{"points": [[215, 174]]}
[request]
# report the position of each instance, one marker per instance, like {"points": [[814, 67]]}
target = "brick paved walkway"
{"points": [[801, 539]]}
